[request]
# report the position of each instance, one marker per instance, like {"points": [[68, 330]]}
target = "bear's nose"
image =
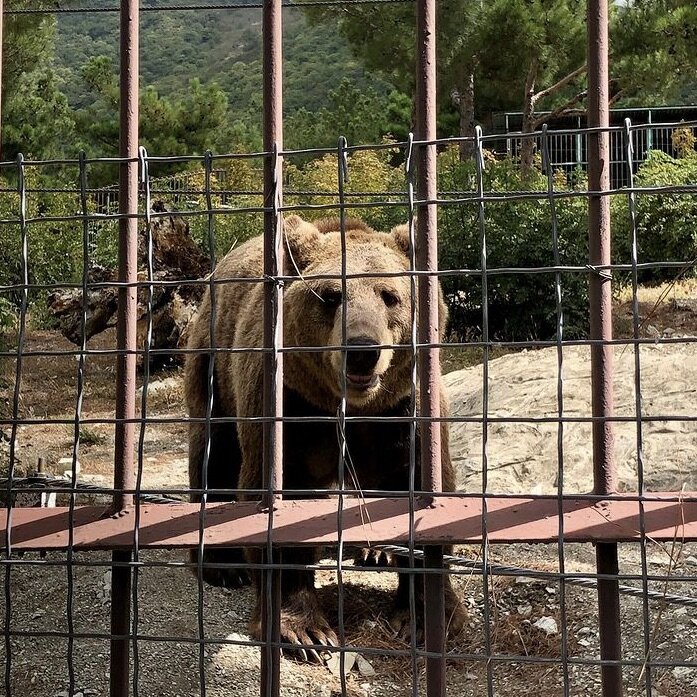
{"points": [[360, 357]]}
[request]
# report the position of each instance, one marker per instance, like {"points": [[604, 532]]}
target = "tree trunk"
{"points": [[531, 123], [464, 101], [527, 146]]}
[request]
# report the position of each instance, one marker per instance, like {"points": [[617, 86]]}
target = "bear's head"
{"points": [[373, 319]]}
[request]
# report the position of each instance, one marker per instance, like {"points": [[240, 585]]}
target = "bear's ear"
{"points": [[400, 233], [302, 240]]}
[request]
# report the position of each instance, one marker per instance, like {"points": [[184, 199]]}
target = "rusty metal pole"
{"points": [[2, 43], [124, 473], [272, 30], [428, 323], [600, 293]]}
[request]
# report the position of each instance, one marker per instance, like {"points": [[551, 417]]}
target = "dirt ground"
{"points": [[522, 457]]}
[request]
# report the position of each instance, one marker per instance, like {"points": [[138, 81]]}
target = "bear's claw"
{"points": [[305, 638], [369, 557], [306, 631], [227, 578], [303, 626]]}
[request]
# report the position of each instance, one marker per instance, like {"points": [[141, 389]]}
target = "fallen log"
{"points": [[177, 260]]}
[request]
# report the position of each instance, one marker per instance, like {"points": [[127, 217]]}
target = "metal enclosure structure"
{"points": [[422, 520]]}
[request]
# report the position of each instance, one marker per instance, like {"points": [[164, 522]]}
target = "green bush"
{"points": [[521, 306], [54, 247], [230, 225], [371, 179], [666, 223], [519, 233]]}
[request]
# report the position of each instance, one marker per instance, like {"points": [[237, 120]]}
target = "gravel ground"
{"points": [[526, 621]]}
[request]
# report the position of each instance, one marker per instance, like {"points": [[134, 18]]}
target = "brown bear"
{"points": [[378, 381]]}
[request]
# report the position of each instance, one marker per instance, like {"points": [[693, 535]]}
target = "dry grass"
{"points": [[367, 612], [670, 290]]}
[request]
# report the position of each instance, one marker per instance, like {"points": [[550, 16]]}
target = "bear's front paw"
{"points": [[302, 624], [305, 630]]}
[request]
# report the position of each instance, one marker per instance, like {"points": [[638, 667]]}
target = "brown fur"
{"points": [[379, 450]]}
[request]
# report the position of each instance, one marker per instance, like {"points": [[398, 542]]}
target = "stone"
{"points": [[548, 625], [365, 667]]}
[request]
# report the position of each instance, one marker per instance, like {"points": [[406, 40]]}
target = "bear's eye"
{"points": [[331, 297], [390, 298]]}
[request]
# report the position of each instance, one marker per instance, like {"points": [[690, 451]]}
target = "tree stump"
{"points": [[177, 260]]}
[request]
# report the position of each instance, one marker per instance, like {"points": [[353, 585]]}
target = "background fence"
{"points": [[569, 148], [97, 581]]}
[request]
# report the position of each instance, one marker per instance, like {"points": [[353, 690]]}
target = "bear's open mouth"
{"points": [[361, 382]]}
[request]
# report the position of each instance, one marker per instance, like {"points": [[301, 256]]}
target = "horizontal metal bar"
{"points": [[199, 7], [532, 343], [445, 520], [180, 420], [668, 578], [370, 147], [164, 495], [233, 640]]}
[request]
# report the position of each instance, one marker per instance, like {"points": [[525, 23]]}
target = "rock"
{"points": [[365, 668], [67, 463], [682, 672], [548, 625], [683, 304], [525, 610], [334, 662], [525, 579], [691, 560], [160, 386], [524, 455]]}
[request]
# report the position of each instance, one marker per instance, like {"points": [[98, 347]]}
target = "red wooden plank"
{"points": [[450, 519]]}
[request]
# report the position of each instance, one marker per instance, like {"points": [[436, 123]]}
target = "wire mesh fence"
{"points": [[517, 635], [312, 384], [568, 149]]}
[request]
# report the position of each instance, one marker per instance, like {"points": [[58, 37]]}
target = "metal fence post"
{"points": [[428, 358], [2, 38], [272, 29], [124, 474], [600, 292]]}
